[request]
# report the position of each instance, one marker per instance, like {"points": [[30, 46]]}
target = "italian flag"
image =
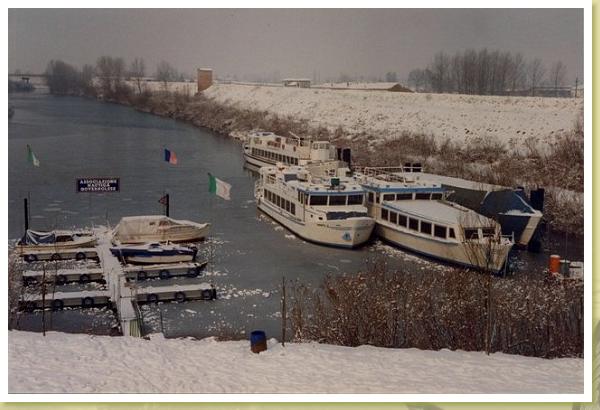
{"points": [[31, 157], [219, 188]]}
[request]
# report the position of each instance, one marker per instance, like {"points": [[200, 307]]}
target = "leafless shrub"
{"points": [[433, 310]]}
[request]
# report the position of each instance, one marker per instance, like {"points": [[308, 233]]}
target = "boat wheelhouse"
{"points": [[325, 210], [267, 149], [417, 216]]}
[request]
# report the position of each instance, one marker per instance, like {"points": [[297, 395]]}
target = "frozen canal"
{"points": [[76, 137]]}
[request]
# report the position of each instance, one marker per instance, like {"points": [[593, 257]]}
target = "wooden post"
{"points": [[167, 204], [44, 299], [26, 213], [576, 84], [283, 311]]}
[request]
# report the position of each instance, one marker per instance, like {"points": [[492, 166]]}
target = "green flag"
{"points": [[219, 188], [31, 157]]}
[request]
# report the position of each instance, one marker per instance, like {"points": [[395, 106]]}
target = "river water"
{"points": [[75, 137]]}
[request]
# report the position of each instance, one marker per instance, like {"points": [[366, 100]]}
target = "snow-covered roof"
{"points": [[440, 211]]}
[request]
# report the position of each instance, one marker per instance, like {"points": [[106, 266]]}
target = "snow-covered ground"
{"points": [[67, 363], [384, 113]]}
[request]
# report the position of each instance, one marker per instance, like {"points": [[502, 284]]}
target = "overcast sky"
{"points": [[291, 42]]}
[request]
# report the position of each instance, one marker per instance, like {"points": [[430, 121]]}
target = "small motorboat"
{"points": [[155, 253], [158, 228], [55, 240]]}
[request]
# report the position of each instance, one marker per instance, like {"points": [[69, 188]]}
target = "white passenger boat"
{"points": [[266, 149], [417, 216], [324, 210], [509, 207], [55, 240], [158, 228]]}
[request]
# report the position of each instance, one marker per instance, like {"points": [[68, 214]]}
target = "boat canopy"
{"points": [[135, 226], [37, 238]]}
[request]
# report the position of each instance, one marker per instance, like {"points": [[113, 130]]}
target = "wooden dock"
{"points": [[58, 254], [124, 285]]}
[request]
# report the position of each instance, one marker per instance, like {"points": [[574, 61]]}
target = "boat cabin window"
{"points": [[384, 214], [402, 197], [422, 195], [471, 233], [402, 220], [426, 227], [355, 199], [337, 200], [488, 232], [439, 231], [318, 199], [451, 233], [436, 196], [344, 215], [370, 197], [290, 177], [389, 197], [413, 224], [393, 217]]}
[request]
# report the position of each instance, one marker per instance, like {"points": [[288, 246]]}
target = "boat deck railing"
{"points": [[396, 173]]}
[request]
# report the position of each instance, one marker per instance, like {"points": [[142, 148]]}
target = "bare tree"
{"points": [[516, 72], [536, 72], [557, 75], [165, 73], [137, 71], [440, 72]]}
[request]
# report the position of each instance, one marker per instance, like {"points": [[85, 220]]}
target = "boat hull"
{"points": [[472, 255], [156, 259], [82, 243], [252, 160], [349, 233]]}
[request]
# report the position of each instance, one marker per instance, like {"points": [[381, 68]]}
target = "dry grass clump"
{"points": [[433, 310]]}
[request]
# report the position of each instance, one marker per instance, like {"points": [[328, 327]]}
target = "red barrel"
{"points": [[554, 264]]}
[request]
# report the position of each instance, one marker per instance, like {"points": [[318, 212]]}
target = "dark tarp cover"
{"points": [[37, 238]]}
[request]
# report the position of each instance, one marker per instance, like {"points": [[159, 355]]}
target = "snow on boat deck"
{"points": [[437, 211], [78, 364]]}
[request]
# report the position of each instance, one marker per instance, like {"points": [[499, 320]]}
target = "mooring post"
{"points": [[26, 208], [167, 205]]}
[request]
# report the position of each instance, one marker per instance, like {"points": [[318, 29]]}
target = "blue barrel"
{"points": [[258, 341]]}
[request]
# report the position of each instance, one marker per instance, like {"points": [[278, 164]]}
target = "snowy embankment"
{"points": [[386, 114], [67, 363]]}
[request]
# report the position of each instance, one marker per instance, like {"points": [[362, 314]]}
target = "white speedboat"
{"points": [[55, 240], [158, 228], [155, 253], [324, 210], [267, 149], [418, 217]]}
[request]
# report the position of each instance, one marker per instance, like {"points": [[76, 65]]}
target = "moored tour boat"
{"points": [[158, 228], [267, 149], [324, 210], [418, 217], [155, 253]]}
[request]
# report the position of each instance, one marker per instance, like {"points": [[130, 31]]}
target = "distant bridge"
{"points": [[35, 79]]}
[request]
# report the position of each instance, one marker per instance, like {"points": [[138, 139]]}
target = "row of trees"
{"points": [[486, 72], [110, 74]]}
